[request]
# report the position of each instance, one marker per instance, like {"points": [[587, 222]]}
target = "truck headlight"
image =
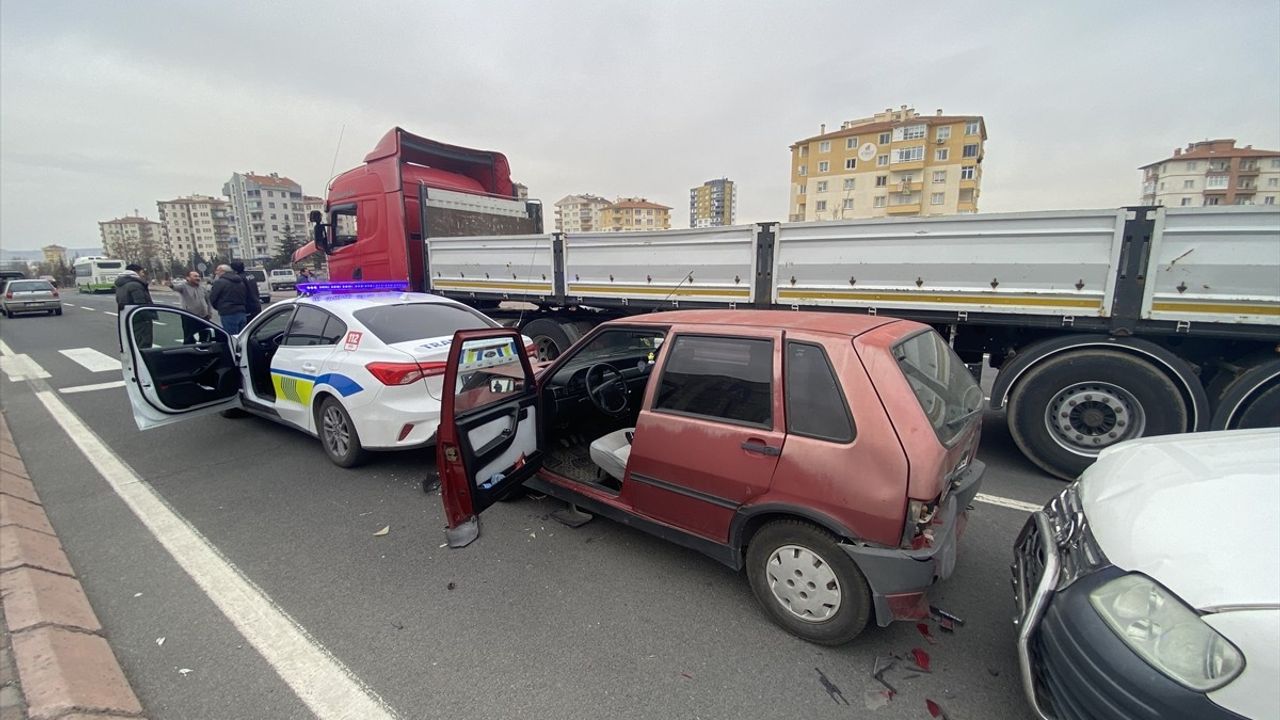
{"points": [[1166, 633]]}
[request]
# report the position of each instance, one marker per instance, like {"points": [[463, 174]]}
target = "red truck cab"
{"points": [[377, 211], [830, 455]]}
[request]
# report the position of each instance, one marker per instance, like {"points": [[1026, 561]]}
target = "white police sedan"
{"points": [[358, 365]]}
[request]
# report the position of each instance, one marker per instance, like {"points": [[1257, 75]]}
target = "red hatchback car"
{"points": [[831, 455]]}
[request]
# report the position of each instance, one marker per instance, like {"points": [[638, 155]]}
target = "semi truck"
{"points": [[1100, 325]]}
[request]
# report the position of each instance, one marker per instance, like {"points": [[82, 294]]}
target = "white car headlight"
{"points": [[1166, 633]]}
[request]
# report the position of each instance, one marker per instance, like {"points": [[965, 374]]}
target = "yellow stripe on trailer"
{"points": [[1216, 308], [491, 285], [944, 298], [577, 289]]}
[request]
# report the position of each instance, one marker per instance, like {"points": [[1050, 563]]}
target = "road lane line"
{"points": [[1008, 502], [92, 360], [320, 680], [19, 366], [90, 388], [111, 313]]}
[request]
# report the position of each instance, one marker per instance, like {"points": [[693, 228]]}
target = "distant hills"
{"points": [[8, 256]]}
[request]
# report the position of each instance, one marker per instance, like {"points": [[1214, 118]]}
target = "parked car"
{"points": [[359, 371], [1150, 588], [831, 455], [27, 296], [282, 279]]}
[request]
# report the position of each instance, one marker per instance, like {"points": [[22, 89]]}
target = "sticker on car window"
{"points": [[353, 340], [503, 352]]}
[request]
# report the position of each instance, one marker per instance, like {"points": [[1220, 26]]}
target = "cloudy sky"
{"points": [[107, 107]]}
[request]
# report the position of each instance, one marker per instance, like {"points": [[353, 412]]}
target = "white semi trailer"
{"points": [[1103, 325]]}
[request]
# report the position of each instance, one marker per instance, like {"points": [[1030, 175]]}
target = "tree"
{"points": [[289, 244]]}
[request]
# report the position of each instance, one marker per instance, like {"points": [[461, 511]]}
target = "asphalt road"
{"points": [[534, 620]]}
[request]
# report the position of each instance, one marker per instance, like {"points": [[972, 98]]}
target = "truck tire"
{"points": [[1073, 405], [552, 337], [1250, 400], [806, 584]]}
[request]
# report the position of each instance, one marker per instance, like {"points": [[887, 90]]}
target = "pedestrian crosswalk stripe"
{"points": [[92, 360]]}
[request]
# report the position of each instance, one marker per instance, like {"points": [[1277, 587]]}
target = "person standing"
{"points": [[252, 301], [195, 300], [131, 289], [228, 297]]}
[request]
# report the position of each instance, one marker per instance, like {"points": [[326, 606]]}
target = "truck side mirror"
{"points": [[320, 232]]}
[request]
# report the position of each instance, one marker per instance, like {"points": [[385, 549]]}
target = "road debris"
{"points": [[385, 529], [936, 710], [883, 665], [159, 641], [921, 659], [832, 690], [451, 586], [875, 699], [944, 615], [137, 594], [184, 671], [923, 629]]}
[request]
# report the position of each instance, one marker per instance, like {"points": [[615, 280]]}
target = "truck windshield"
{"points": [[943, 385], [416, 321]]}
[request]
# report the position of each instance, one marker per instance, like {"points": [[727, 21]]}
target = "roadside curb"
{"points": [[64, 665]]}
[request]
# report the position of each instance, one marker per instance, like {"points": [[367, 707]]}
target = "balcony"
{"points": [[909, 165], [1248, 169], [1215, 190], [907, 186], [1217, 167], [904, 209]]}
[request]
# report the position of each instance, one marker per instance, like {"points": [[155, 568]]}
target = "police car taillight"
{"points": [[393, 373]]}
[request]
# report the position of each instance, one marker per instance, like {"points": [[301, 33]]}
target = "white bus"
{"points": [[95, 274]]}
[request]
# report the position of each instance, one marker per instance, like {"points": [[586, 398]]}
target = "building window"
{"points": [[803, 170], [943, 132], [273, 227], [1212, 200], [1269, 200], [910, 154], [910, 132], [1192, 165], [939, 176], [851, 163], [848, 204], [966, 195], [822, 186], [882, 160], [801, 190], [804, 151], [971, 150], [937, 198], [824, 146], [882, 180], [1273, 182], [824, 166], [1275, 164], [884, 138], [1188, 184], [880, 201], [851, 143], [1215, 182], [941, 154], [848, 183], [820, 206], [1244, 200], [966, 172], [971, 128]]}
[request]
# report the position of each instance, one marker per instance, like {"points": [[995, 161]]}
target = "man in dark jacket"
{"points": [[252, 300], [131, 289], [229, 297]]}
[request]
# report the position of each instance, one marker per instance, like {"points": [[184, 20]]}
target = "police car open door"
{"points": [[175, 365], [487, 443]]}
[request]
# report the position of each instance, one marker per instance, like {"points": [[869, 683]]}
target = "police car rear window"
{"points": [[417, 321]]}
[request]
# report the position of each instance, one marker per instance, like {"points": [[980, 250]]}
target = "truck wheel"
{"points": [[1071, 407], [551, 338], [807, 584], [1251, 400]]}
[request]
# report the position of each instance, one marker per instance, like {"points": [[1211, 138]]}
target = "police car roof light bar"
{"points": [[352, 286]]}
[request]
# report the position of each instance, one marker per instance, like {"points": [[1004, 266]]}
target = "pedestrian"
{"points": [[303, 277], [253, 302], [195, 300], [228, 297], [131, 289]]}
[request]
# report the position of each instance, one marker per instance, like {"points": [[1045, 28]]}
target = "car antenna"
{"points": [[687, 276]]}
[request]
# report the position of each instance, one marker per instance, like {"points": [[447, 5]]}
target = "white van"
{"points": [[282, 279]]}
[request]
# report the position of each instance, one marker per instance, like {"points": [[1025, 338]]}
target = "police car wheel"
{"points": [[338, 434]]}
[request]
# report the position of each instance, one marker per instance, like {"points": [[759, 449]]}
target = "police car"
{"points": [[359, 365]]}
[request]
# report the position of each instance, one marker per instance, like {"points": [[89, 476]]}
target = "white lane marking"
{"points": [[86, 307], [111, 313], [90, 388], [92, 360], [319, 679], [19, 366], [1008, 502]]}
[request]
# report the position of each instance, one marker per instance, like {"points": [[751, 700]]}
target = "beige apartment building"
{"points": [[579, 213], [132, 238], [634, 214], [1213, 172], [54, 254], [714, 203], [196, 225], [894, 163], [264, 208]]}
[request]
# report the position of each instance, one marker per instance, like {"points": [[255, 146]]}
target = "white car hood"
{"points": [[1200, 514]]}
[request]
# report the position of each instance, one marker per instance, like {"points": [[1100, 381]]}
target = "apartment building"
{"points": [[714, 203], [196, 225], [634, 214], [54, 254], [1213, 172], [579, 213], [894, 163], [264, 208], [132, 238]]}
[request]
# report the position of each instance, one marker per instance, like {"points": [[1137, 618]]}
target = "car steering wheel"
{"points": [[609, 392]]}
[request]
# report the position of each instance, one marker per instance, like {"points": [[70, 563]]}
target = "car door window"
{"points": [[274, 325], [334, 331], [307, 328], [719, 378], [816, 405]]}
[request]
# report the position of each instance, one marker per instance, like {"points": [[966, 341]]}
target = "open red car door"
{"points": [[488, 437]]}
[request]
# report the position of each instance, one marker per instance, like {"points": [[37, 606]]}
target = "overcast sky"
{"points": [[107, 107]]}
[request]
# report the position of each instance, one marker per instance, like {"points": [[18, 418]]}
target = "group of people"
{"points": [[233, 295]]}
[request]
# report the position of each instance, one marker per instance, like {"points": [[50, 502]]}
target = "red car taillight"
{"points": [[55, 293], [8, 296], [393, 373]]}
